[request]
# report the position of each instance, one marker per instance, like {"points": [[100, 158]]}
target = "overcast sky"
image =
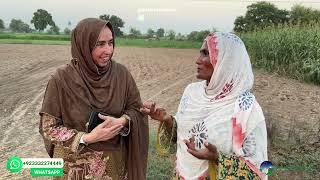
{"points": [[180, 15]]}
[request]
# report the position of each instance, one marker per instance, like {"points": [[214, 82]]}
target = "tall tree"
{"points": [[150, 33], [160, 32], [179, 37], [192, 36], [304, 15], [133, 32], [41, 19], [241, 24], [54, 30], [202, 34], [116, 22], [198, 36], [16, 25], [260, 15], [171, 34], [1, 24], [67, 31]]}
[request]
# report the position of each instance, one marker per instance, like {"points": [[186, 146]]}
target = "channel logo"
{"points": [[266, 167]]}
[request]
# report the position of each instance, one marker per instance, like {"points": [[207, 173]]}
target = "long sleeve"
{"points": [[138, 139], [133, 100], [167, 137], [51, 125], [54, 133], [126, 130]]}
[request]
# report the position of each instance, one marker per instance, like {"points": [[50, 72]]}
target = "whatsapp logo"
{"points": [[14, 164]]}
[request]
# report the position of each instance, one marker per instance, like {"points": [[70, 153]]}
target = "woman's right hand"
{"points": [[155, 112], [102, 132]]}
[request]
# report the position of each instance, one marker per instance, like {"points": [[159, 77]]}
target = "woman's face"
{"points": [[102, 52], [204, 67]]}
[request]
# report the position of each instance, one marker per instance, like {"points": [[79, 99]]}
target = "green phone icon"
{"points": [[14, 164]]}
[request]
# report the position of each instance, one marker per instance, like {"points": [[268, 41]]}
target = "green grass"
{"points": [[158, 43], [32, 36], [11, 38], [27, 41], [159, 167]]}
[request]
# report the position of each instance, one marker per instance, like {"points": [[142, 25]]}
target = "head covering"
{"points": [[83, 40], [232, 66], [79, 87], [224, 112]]}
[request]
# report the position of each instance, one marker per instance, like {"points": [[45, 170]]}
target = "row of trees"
{"points": [[18, 26], [169, 34], [259, 15], [135, 33], [264, 14], [41, 20]]}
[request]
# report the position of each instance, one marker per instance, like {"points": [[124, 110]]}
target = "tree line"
{"points": [[258, 16], [41, 20], [265, 14]]}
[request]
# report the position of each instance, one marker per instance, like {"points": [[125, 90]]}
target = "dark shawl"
{"points": [[80, 86]]}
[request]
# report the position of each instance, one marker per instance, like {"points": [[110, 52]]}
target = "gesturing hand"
{"points": [[208, 153], [155, 112]]}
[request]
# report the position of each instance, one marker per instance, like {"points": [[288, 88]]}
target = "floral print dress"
{"points": [[227, 167], [81, 162]]}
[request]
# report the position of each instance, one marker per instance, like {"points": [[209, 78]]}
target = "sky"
{"points": [[181, 16]]}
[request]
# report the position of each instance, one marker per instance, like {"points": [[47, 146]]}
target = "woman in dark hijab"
{"points": [[118, 147]]}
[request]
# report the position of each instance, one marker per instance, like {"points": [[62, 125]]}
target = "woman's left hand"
{"points": [[208, 153], [114, 121]]}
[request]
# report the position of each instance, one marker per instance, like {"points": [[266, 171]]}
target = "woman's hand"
{"points": [[114, 121], [103, 132], [208, 153], [155, 112]]}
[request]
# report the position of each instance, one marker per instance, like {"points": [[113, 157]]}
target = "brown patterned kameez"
{"points": [[80, 87]]}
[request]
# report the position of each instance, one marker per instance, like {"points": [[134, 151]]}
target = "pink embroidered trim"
{"points": [[225, 91], [61, 133], [97, 166], [212, 46]]}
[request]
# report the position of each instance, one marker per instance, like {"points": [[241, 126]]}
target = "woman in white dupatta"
{"points": [[219, 127]]}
